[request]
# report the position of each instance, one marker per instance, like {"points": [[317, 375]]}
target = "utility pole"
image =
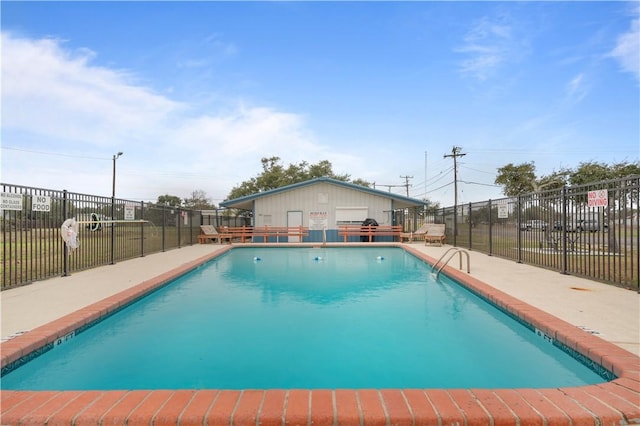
{"points": [[406, 182], [455, 153]]}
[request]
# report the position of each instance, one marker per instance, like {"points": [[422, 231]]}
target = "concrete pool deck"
{"points": [[598, 320]]}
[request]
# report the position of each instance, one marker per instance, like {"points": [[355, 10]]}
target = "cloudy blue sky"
{"points": [[196, 93]]}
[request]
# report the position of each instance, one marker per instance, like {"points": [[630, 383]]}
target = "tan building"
{"points": [[322, 204]]}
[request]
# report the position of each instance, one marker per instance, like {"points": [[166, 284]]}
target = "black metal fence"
{"points": [[591, 230], [110, 230]]}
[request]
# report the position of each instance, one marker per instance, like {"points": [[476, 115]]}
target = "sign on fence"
{"points": [[503, 211], [10, 201], [40, 203], [599, 198], [129, 211]]}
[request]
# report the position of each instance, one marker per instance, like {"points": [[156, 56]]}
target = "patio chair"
{"points": [[209, 232], [421, 232], [418, 234], [435, 234]]}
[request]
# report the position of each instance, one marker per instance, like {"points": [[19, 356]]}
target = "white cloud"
{"points": [[220, 46], [627, 49], [577, 89], [58, 101], [59, 95], [244, 131], [489, 45], [210, 49]]}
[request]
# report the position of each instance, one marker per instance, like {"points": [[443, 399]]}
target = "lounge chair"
{"points": [[421, 232], [418, 234], [435, 234], [209, 232]]}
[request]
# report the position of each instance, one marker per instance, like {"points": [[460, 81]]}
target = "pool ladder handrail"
{"points": [[455, 250]]}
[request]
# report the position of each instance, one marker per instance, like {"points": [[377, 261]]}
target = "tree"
{"points": [[361, 182], [522, 179], [429, 207], [589, 172], [517, 180], [624, 169], [198, 201], [275, 175], [169, 200], [535, 212], [555, 180], [482, 215]]}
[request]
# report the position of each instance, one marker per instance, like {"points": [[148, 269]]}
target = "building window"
{"points": [[351, 215]]}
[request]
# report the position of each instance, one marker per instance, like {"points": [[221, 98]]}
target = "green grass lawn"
{"points": [[37, 254]]}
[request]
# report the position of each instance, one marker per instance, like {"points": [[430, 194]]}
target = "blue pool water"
{"points": [[305, 318]]}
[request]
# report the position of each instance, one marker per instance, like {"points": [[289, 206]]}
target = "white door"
{"points": [[294, 218]]}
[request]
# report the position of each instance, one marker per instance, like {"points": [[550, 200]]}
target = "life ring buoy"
{"points": [[69, 233], [95, 224]]}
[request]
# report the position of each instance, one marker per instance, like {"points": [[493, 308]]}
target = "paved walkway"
{"points": [[610, 312]]}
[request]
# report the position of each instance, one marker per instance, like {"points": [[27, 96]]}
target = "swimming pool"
{"points": [[289, 318], [614, 402]]}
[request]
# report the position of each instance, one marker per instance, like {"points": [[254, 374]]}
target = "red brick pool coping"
{"points": [[613, 403]]}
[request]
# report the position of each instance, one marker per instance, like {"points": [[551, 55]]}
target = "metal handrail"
{"points": [[455, 250]]}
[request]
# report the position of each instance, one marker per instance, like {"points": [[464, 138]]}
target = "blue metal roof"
{"points": [[246, 201]]}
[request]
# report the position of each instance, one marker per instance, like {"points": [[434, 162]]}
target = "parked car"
{"points": [[591, 225], [571, 225], [588, 225], [534, 224]]}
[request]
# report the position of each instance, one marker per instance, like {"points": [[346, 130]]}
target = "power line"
{"points": [[440, 175], [433, 180], [161, 173], [440, 187], [477, 170], [478, 183], [57, 154]]}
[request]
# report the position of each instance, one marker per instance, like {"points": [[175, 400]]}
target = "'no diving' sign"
{"points": [[598, 198]]}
